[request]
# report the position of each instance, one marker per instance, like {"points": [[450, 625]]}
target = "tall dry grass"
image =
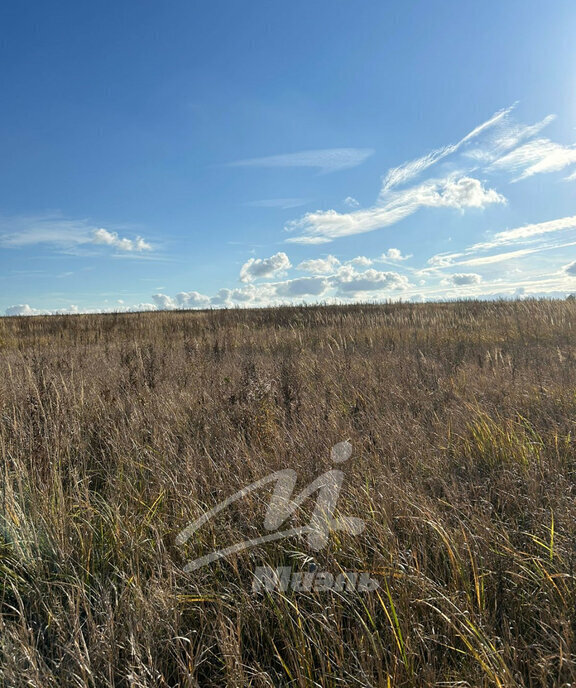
{"points": [[116, 431]]}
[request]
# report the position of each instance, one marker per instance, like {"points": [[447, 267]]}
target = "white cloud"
{"points": [[326, 160], [25, 309], [526, 232], [256, 268], [462, 279], [22, 309], [451, 192], [498, 143], [319, 266], [28, 231], [498, 257], [301, 286], [306, 240], [394, 255], [506, 135], [230, 297], [536, 157], [465, 192], [530, 234], [351, 202], [350, 282], [326, 225], [249, 295], [570, 269], [103, 236], [360, 262], [143, 307], [63, 234], [192, 299], [266, 294], [443, 260], [164, 303], [409, 170]]}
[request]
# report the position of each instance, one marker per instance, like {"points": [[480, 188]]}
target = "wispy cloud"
{"points": [[452, 192], [504, 136], [326, 160], [499, 144], [498, 257], [17, 232], [537, 157], [63, 234], [526, 232], [409, 170]]}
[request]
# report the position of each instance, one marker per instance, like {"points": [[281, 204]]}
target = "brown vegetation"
{"points": [[116, 431]]}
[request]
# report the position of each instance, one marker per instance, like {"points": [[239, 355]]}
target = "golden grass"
{"points": [[116, 431]]}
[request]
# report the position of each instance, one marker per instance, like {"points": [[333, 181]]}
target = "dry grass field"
{"points": [[116, 431]]}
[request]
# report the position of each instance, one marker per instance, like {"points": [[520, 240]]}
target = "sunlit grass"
{"points": [[118, 431]]}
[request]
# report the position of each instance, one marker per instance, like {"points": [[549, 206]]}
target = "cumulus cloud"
{"points": [[360, 262], [230, 297], [302, 286], [394, 255], [103, 236], [249, 295], [350, 282], [462, 279], [192, 299], [22, 309], [319, 266], [465, 192], [164, 303], [266, 294], [326, 160], [25, 309], [256, 268], [344, 283]]}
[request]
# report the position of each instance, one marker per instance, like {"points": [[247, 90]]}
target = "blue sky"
{"points": [[196, 154]]}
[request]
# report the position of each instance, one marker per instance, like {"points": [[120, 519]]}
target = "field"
{"points": [[116, 431]]}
